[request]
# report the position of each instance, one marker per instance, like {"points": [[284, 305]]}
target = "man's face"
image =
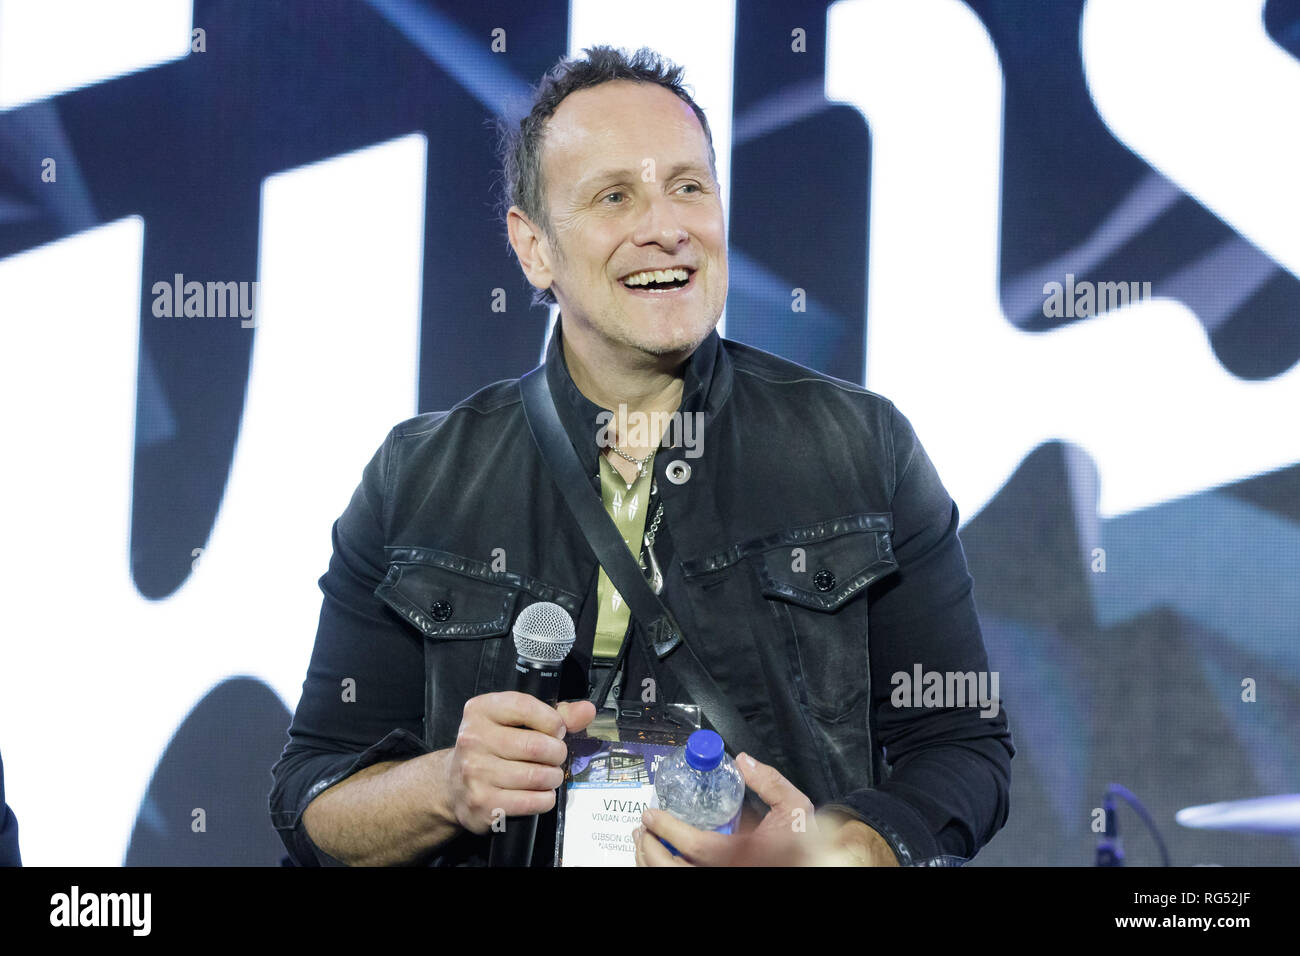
{"points": [[629, 189]]}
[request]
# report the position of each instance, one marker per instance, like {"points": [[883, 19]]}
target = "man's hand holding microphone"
{"points": [[502, 771], [508, 759]]}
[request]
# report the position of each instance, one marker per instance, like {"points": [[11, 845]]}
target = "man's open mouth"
{"points": [[658, 280]]}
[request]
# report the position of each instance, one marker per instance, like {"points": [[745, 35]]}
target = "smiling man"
{"points": [[806, 547], [633, 249]]}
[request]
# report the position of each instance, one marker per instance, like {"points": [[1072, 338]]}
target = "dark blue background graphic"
{"points": [[1137, 682]]}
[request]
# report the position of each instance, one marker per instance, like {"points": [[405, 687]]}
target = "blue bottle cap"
{"points": [[704, 750]]}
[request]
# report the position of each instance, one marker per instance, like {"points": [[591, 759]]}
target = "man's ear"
{"points": [[531, 246]]}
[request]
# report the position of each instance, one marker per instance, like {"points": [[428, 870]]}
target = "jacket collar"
{"points": [[706, 388]]}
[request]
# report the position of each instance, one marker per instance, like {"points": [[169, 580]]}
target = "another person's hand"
{"points": [[790, 834], [508, 758]]}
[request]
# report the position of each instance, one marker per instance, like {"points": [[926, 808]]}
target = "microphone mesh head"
{"points": [[544, 633]]}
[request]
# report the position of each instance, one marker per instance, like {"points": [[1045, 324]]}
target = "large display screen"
{"points": [[240, 240]]}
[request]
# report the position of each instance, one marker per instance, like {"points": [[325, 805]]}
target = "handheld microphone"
{"points": [[544, 635]]}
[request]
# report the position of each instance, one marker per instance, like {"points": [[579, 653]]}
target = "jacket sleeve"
{"points": [[363, 699], [9, 855], [946, 792]]}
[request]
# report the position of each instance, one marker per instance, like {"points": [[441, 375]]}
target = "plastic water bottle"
{"points": [[701, 785]]}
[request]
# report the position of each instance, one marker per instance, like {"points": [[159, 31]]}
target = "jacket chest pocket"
{"points": [[465, 612], [446, 605], [815, 581]]}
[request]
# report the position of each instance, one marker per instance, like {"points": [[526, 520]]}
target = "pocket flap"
{"points": [[448, 604], [825, 565]]}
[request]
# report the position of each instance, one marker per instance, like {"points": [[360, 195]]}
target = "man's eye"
{"points": [[695, 186], [605, 198]]}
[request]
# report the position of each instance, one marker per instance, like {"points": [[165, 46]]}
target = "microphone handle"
{"points": [[540, 680], [513, 846]]}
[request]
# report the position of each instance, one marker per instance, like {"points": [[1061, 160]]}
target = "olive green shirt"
{"points": [[627, 506]]}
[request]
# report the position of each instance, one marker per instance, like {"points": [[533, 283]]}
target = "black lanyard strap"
{"points": [[657, 622]]}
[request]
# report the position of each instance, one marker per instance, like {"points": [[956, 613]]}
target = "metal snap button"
{"points": [[824, 580], [440, 610], [678, 472]]}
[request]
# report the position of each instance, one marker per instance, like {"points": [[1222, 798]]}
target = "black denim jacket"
{"points": [[810, 555]]}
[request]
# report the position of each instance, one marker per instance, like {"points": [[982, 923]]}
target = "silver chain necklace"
{"points": [[656, 574], [639, 462], [656, 579]]}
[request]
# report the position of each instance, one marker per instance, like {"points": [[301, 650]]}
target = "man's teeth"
{"points": [[657, 275]]}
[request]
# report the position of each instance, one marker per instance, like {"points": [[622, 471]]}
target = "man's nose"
{"points": [[659, 224]]}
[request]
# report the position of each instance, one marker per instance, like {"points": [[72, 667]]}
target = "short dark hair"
{"points": [[520, 145]]}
